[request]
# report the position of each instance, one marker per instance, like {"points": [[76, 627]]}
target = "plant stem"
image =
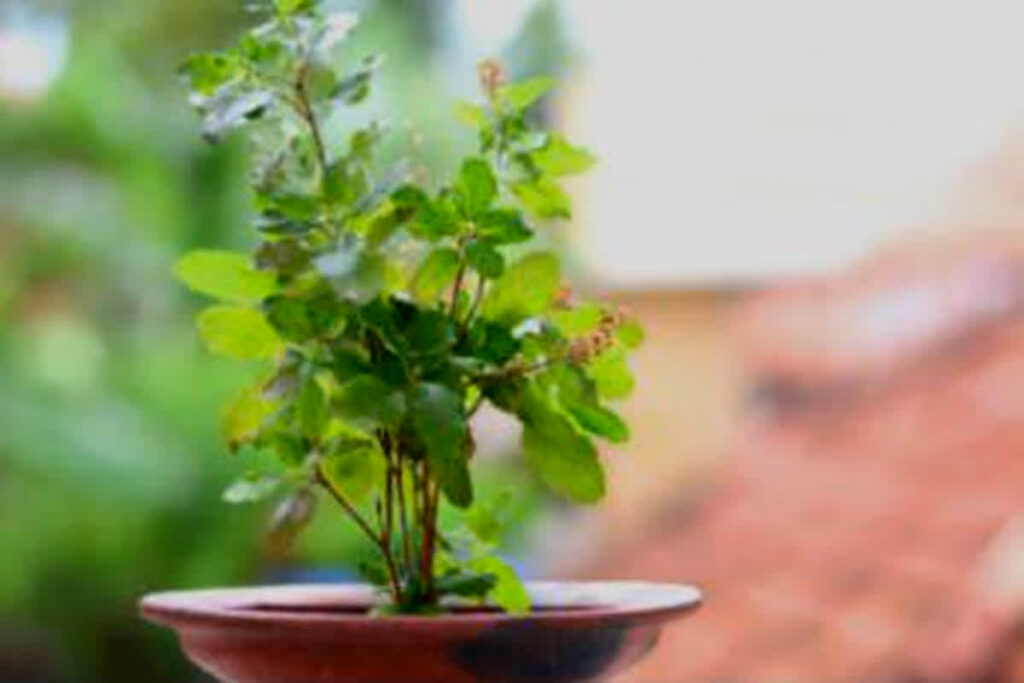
{"points": [[403, 516], [433, 496], [457, 288], [389, 517], [481, 286], [378, 541], [307, 114], [349, 509], [426, 547]]}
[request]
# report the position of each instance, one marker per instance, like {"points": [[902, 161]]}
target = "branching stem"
{"points": [[304, 108], [379, 541]]}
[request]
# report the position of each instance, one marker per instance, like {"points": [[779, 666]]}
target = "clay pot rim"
{"points": [[295, 606]]}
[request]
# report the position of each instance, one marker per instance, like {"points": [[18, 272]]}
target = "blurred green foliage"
{"points": [[110, 464]]}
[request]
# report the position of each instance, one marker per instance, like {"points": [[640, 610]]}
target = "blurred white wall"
{"points": [[743, 139]]}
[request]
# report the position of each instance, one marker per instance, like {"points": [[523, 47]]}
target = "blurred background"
{"points": [[815, 208]]}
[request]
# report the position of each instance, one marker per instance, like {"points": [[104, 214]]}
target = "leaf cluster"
{"points": [[388, 311]]}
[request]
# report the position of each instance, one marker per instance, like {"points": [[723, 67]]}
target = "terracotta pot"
{"points": [[321, 634]]}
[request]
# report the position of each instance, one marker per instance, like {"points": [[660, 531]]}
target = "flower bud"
{"points": [[492, 76]]}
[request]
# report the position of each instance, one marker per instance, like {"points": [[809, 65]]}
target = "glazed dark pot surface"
{"points": [[576, 632]]}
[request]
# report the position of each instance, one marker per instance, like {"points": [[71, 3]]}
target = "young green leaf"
{"points": [[559, 158], [435, 273], [503, 226], [630, 334], [236, 332], [578, 321], [544, 198], [485, 259], [509, 592], [243, 417], [478, 185], [577, 395], [209, 71], [224, 275], [311, 409], [437, 416], [612, 375], [287, 7], [471, 115], [526, 288], [521, 95], [564, 459]]}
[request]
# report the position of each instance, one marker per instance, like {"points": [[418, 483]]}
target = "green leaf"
{"points": [[209, 71], [354, 469], [289, 318], [612, 375], [383, 223], [410, 196], [471, 115], [630, 334], [492, 342], [428, 333], [348, 359], [564, 459], [466, 584], [576, 393], [599, 421], [432, 219], [504, 226], [521, 95], [482, 255], [544, 198], [311, 409], [345, 183], [435, 274], [355, 87], [288, 7], [440, 424], [355, 272], [559, 158], [250, 489], [226, 109], [478, 185], [236, 332], [509, 592], [243, 417], [526, 288], [224, 275], [369, 402], [578, 321], [488, 520], [286, 256]]}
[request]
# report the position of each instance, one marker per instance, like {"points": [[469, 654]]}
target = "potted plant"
{"points": [[388, 311]]}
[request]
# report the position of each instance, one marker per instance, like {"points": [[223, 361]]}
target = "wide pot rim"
{"points": [[343, 607]]}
